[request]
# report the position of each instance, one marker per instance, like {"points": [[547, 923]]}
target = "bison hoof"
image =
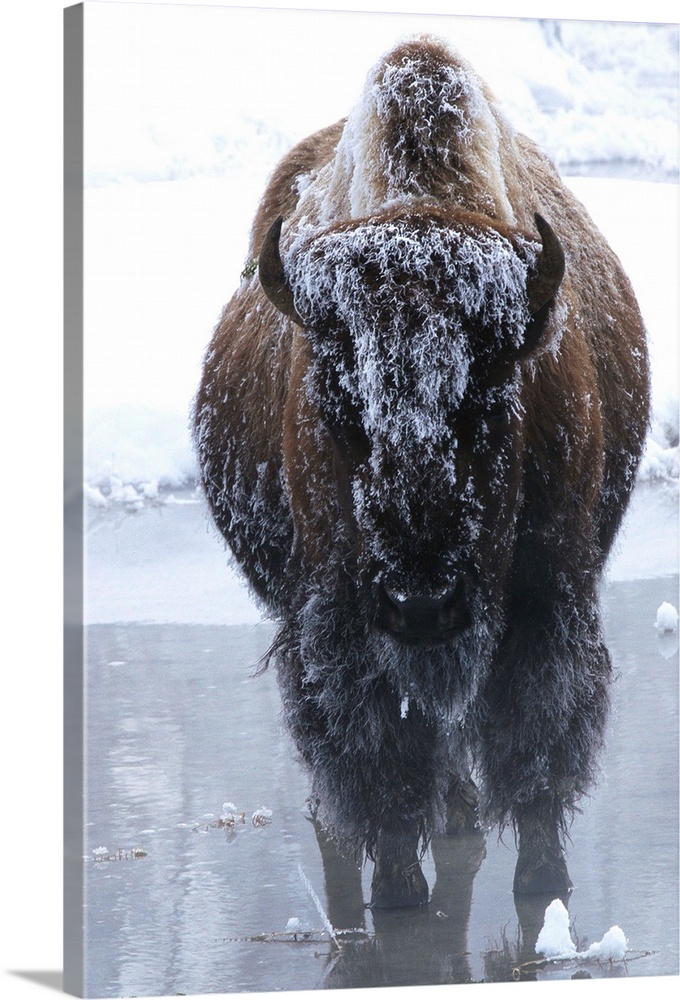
{"points": [[398, 888], [547, 877]]}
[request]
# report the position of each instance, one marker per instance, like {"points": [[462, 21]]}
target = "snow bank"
{"points": [[175, 173], [604, 94], [660, 460], [591, 93], [136, 448]]}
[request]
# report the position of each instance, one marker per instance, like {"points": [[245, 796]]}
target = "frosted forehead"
{"points": [[418, 272], [414, 300]]}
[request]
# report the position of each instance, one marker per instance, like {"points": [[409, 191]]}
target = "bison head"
{"points": [[417, 330]]}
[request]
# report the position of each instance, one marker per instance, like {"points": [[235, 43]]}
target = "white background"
{"points": [[31, 274]]}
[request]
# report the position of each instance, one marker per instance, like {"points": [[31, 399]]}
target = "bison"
{"points": [[418, 427]]}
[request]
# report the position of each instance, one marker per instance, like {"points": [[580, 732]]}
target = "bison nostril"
{"points": [[449, 608], [421, 618], [392, 597], [391, 605]]}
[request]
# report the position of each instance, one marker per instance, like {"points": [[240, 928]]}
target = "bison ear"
{"points": [[272, 275], [543, 285]]}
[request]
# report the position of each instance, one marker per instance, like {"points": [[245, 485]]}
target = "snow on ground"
{"points": [[176, 93]]}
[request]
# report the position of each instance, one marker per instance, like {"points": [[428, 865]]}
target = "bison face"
{"points": [[417, 328]]}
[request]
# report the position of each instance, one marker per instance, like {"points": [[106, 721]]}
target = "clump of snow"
{"points": [[94, 496], [229, 811], [112, 491], [666, 618], [612, 947], [117, 492], [555, 942], [294, 924], [660, 460]]}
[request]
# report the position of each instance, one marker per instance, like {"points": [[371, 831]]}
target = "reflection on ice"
{"points": [[668, 645]]}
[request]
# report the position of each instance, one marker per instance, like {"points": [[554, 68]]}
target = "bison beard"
{"points": [[418, 432]]}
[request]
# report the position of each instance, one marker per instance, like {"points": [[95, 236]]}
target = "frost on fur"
{"points": [[424, 128], [416, 301], [418, 431]]}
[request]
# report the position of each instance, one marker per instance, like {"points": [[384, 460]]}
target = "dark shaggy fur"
{"points": [[418, 432]]}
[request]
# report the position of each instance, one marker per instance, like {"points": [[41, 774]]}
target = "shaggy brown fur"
{"points": [[437, 595]]}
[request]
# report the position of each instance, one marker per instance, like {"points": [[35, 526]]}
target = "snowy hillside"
{"points": [[188, 110]]}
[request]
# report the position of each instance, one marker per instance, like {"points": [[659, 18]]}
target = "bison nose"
{"points": [[418, 619]]}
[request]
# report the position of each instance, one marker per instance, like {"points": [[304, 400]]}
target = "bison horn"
{"points": [[543, 285], [272, 275]]}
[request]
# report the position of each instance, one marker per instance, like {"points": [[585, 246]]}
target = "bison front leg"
{"points": [[398, 879], [374, 771], [539, 734], [541, 867]]}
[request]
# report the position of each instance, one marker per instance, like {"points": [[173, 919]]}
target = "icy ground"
{"points": [[187, 763]]}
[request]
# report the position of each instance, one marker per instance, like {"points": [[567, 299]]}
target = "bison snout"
{"points": [[422, 620]]}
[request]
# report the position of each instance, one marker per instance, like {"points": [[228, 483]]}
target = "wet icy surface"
{"points": [[179, 725], [165, 563]]}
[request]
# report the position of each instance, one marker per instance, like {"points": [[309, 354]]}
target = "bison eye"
{"points": [[497, 417], [349, 437]]}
